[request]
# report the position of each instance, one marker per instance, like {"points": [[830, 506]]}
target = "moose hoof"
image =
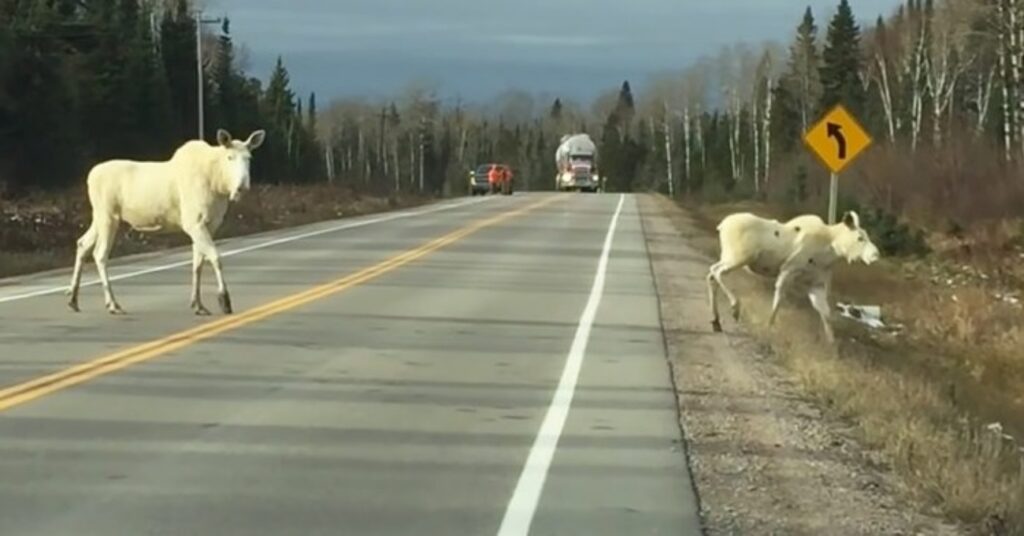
{"points": [[73, 305], [736, 312], [115, 309], [225, 303], [716, 326], [200, 310]]}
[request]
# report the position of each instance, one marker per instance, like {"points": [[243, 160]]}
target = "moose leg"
{"points": [[717, 272], [197, 277], [106, 231], [819, 300], [780, 283], [223, 296], [85, 245], [203, 243], [716, 323]]}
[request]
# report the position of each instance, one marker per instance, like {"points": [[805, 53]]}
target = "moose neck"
{"points": [[836, 232]]}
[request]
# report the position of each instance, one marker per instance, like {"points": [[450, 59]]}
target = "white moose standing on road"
{"points": [[804, 246], [190, 192]]}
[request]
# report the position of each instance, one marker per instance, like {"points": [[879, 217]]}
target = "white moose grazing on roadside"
{"points": [[803, 247], [190, 193]]}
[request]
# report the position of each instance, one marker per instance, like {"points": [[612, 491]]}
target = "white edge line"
{"points": [[246, 249], [523, 504]]}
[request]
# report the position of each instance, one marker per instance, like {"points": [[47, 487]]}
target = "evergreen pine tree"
{"points": [[279, 113], [842, 62], [311, 122], [106, 82], [39, 146], [394, 119], [279, 98], [224, 102], [178, 51], [556, 110], [626, 97], [787, 127], [803, 78], [150, 93], [625, 108], [611, 151]]}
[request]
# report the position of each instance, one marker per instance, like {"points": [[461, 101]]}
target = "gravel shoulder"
{"points": [[765, 459]]}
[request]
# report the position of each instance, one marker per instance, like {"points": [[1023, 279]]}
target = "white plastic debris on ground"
{"points": [[869, 315], [996, 429], [1009, 299]]}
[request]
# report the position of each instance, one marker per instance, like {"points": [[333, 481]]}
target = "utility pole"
{"points": [[423, 128], [200, 21], [668, 153]]}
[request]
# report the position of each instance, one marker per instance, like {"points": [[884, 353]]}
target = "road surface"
{"points": [[480, 366]]}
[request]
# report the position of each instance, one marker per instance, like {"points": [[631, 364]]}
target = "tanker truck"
{"points": [[576, 159]]}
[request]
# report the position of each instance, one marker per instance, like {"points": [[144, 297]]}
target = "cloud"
{"points": [[332, 44], [537, 40]]}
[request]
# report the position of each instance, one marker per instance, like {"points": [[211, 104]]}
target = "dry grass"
{"points": [[922, 398], [38, 232]]}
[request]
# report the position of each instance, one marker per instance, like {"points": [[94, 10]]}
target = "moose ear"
{"points": [[852, 220], [256, 139], [223, 138]]}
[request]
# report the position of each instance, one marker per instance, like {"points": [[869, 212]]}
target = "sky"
{"points": [[475, 50]]}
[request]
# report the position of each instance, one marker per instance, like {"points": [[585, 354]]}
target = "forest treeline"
{"points": [[938, 83], [86, 80]]}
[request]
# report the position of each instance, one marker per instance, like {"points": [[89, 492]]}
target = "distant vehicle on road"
{"points": [[576, 159], [491, 178]]}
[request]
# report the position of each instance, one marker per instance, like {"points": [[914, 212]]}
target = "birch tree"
{"points": [[883, 54], [914, 40], [981, 75], [1008, 27], [767, 75], [946, 56]]}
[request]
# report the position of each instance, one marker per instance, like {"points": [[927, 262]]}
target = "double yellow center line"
{"points": [[33, 389]]}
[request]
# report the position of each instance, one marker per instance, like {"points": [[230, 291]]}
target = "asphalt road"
{"points": [[475, 367]]}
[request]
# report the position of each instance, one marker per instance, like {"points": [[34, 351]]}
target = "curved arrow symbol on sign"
{"points": [[836, 131]]}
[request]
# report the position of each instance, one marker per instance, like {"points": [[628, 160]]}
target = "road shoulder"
{"points": [[764, 458]]}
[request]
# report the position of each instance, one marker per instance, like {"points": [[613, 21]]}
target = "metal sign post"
{"points": [[833, 198]]}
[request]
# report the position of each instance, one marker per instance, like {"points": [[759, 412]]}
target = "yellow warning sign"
{"points": [[837, 139]]}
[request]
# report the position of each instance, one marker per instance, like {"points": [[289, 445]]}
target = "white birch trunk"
{"points": [[755, 140], [885, 93], [917, 101], [985, 83], [1016, 38], [686, 145], [1007, 83], [669, 175], [767, 128]]}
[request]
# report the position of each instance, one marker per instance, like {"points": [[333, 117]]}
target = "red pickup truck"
{"points": [[491, 178]]}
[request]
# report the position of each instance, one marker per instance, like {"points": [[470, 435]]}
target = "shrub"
{"points": [[893, 237]]}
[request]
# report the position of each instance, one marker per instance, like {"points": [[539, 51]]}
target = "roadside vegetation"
{"points": [[38, 232], [940, 391], [939, 394]]}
